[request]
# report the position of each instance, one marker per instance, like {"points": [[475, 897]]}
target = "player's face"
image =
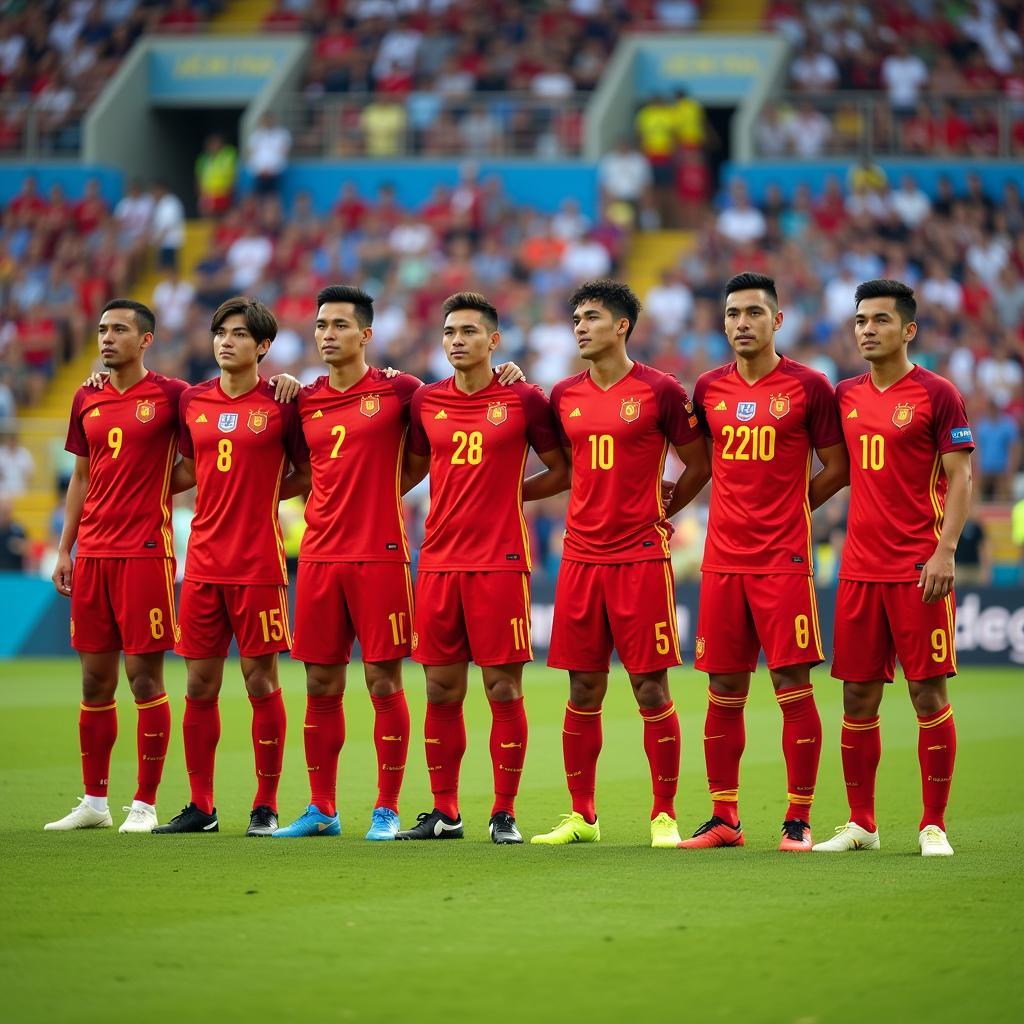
{"points": [[120, 340], [879, 331], [468, 341], [750, 322], [597, 330], [234, 347], [339, 338]]}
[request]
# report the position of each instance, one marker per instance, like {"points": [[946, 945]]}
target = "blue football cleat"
{"points": [[311, 823], [385, 824]]}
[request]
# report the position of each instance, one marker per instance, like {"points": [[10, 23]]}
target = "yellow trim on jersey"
{"points": [[724, 701], [282, 594], [933, 494], [162, 699], [948, 713], [794, 695], [169, 579], [276, 521], [398, 492], [665, 714], [409, 592], [528, 615], [522, 515], [951, 624], [673, 622], [728, 796], [165, 500], [661, 508], [807, 515], [581, 711], [106, 707], [855, 726], [814, 618]]}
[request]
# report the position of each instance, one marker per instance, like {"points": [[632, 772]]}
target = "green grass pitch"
{"points": [[96, 926]]}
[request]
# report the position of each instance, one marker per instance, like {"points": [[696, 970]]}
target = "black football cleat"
{"points": [[503, 829], [434, 825], [191, 819], [262, 821]]}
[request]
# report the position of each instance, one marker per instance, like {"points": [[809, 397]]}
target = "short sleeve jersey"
{"points": [[242, 447], [356, 441], [131, 442], [619, 440], [478, 446], [763, 437], [896, 439]]}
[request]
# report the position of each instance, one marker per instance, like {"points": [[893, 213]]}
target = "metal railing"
{"points": [[30, 129], [809, 126]]}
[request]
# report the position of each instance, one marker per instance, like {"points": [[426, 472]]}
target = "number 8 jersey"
{"points": [[763, 438]]}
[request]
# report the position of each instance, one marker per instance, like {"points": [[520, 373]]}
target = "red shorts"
{"points": [[335, 602], [256, 614], [878, 622], [629, 606], [741, 613], [479, 616], [123, 604]]}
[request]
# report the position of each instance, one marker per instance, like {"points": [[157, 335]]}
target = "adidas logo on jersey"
{"points": [[442, 415], [318, 415], [201, 418], [95, 412], [852, 414], [721, 407], [575, 412]]}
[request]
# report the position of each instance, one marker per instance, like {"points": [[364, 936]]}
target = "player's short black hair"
{"points": [[472, 300], [262, 324], [362, 302], [618, 298], [750, 280], [884, 288], [144, 318]]}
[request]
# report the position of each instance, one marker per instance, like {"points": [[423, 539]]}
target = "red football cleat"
{"points": [[714, 833], [796, 836]]}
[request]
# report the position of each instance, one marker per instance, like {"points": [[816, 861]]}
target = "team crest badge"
{"points": [[369, 405], [145, 411], [630, 410], [497, 412], [258, 421], [227, 421], [778, 405], [700, 647], [903, 414], [746, 411]]}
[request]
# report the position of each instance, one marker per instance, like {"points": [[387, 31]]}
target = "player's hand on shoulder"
{"points": [[509, 373], [390, 372], [285, 386], [62, 573], [96, 380]]}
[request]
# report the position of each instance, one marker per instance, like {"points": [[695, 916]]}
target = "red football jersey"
{"points": [[619, 440], [763, 436], [242, 447], [896, 439], [478, 446], [130, 441], [356, 440]]}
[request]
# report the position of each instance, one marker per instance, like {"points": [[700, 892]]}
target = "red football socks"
{"points": [[97, 731], [268, 729], [662, 746], [201, 732], [444, 740], [936, 750], [152, 734], [508, 751], [581, 746], [801, 747], [391, 739], [861, 742], [724, 740], [323, 736]]}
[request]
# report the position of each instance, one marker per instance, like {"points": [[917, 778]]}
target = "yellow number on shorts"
{"points": [[339, 432], [470, 448], [397, 620], [156, 623], [114, 438], [602, 451], [662, 642], [872, 451], [940, 645], [273, 627], [802, 629], [224, 454], [518, 633]]}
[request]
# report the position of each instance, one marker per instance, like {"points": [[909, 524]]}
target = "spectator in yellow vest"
{"points": [[216, 170]]}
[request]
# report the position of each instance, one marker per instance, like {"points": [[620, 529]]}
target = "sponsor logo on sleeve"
{"points": [[961, 435]]}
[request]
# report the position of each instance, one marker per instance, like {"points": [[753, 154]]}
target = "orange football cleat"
{"points": [[796, 836], [714, 833]]}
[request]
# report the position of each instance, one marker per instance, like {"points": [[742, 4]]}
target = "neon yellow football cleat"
{"points": [[664, 832], [573, 828]]}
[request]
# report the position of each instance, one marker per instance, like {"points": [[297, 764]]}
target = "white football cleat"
{"points": [[933, 842], [849, 837], [140, 819], [82, 816]]}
